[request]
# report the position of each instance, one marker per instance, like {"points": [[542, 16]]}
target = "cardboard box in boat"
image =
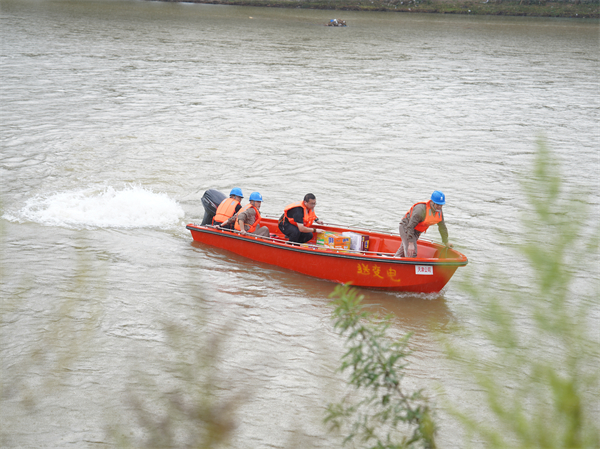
{"points": [[359, 242], [333, 240]]}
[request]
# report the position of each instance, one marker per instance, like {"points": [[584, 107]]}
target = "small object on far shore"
{"points": [[336, 23]]}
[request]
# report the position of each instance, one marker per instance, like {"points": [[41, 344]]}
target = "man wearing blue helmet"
{"points": [[418, 219], [248, 218], [228, 209]]}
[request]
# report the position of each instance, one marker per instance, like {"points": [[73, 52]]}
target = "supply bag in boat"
{"points": [[333, 240], [359, 242]]}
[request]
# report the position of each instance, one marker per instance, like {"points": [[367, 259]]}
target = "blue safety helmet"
{"points": [[255, 196], [237, 192], [438, 197]]}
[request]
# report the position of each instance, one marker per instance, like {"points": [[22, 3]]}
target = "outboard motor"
{"points": [[211, 200]]}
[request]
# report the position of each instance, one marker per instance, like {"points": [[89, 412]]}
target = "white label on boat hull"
{"points": [[423, 269]]}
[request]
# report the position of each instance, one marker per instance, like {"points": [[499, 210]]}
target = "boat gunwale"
{"points": [[314, 250]]}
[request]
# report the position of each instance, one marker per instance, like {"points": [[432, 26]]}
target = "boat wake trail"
{"points": [[106, 207]]}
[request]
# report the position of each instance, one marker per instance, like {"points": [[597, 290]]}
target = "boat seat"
{"points": [[374, 244]]}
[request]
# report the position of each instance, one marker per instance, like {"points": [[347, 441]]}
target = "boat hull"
{"points": [[373, 269]]}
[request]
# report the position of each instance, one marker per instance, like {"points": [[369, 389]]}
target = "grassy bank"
{"points": [[538, 8]]}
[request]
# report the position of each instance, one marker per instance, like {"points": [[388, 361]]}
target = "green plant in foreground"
{"points": [[376, 364], [191, 406], [49, 352], [535, 369]]}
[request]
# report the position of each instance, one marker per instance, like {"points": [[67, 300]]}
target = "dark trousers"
{"points": [[293, 233]]}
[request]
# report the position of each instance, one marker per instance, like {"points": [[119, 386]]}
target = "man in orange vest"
{"points": [[248, 217], [227, 210], [297, 220], [418, 219]]}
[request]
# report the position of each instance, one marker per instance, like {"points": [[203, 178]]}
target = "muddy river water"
{"points": [[117, 116]]}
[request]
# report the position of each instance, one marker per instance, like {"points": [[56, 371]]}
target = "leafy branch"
{"points": [[376, 364], [536, 364]]}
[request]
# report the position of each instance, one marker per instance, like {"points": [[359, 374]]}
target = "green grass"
{"points": [[529, 8]]}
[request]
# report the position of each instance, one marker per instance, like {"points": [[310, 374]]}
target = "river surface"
{"points": [[117, 116]]}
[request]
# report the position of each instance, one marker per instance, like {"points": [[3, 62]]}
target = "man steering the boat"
{"points": [[248, 218], [297, 220], [418, 219], [228, 209]]}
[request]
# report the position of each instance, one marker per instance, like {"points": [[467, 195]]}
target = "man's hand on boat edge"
{"points": [[318, 231]]}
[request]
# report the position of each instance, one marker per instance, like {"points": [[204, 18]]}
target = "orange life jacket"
{"points": [[253, 225], [225, 210], [309, 215], [431, 216]]}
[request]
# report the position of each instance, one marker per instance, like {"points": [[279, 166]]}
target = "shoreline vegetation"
{"points": [[585, 9]]}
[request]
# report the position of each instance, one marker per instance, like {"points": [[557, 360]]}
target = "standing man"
{"points": [[418, 219], [297, 219], [248, 218], [227, 210]]}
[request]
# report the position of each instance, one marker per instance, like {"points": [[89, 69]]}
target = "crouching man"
{"points": [[248, 218]]}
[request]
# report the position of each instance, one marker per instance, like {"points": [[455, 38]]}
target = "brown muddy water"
{"points": [[117, 116]]}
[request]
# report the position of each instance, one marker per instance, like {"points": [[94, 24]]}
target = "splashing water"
{"points": [[131, 207]]}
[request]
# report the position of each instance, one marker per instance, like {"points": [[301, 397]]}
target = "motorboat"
{"points": [[370, 266]]}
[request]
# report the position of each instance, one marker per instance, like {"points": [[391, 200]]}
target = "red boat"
{"points": [[375, 268]]}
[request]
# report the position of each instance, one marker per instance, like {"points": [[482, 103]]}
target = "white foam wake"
{"points": [[131, 207]]}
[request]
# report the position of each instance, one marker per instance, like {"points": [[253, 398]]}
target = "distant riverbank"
{"points": [[540, 8]]}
